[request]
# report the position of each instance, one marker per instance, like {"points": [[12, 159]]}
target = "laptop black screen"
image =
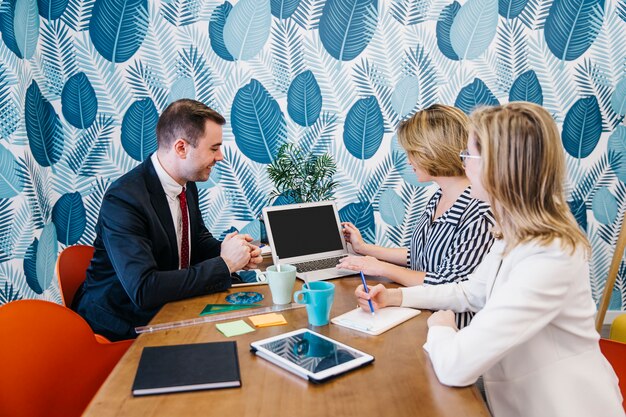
{"points": [[304, 231]]}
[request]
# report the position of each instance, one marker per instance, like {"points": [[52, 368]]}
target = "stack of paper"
{"points": [[266, 320]]}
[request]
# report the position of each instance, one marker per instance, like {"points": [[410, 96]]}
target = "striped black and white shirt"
{"points": [[449, 248]]}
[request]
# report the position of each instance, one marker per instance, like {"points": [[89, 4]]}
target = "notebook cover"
{"points": [[178, 368], [384, 319]]}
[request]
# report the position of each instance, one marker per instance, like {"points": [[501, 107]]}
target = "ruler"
{"points": [[217, 317]]}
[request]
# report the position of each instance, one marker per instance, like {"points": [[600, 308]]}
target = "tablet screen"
{"points": [[310, 351]]}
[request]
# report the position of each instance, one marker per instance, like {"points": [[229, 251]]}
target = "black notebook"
{"points": [[177, 368]]}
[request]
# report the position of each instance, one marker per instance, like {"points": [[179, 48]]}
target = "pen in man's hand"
{"points": [[367, 291]]}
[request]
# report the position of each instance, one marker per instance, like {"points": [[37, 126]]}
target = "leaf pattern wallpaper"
{"points": [[82, 83]]}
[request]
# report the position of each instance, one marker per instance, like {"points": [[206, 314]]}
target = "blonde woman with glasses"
{"points": [[533, 338], [452, 235]]}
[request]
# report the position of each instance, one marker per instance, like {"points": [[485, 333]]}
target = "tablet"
{"points": [[310, 355]]}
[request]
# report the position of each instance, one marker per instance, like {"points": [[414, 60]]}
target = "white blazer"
{"points": [[533, 339]]}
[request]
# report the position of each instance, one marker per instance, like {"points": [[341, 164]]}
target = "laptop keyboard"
{"points": [[318, 264]]}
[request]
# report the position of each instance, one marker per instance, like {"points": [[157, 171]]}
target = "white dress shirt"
{"points": [[533, 338], [172, 190]]}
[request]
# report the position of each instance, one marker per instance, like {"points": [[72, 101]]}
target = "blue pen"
{"points": [[367, 291]]}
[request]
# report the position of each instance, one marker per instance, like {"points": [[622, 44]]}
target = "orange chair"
{"points": [[615, 353], [52, 364], [71, 269]]}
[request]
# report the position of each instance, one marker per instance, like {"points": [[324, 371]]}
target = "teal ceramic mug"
{"points": [[318, 297]]}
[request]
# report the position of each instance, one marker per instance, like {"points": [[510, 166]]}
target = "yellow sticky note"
{"points": [[265, 320], [234, 328]]}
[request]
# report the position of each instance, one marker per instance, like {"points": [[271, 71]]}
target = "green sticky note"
{"points": [[234, 328], [222, 308]]}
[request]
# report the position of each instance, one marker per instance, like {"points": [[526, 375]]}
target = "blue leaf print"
{"points": [[361, 215], [444, 23], [247, 28], [391, 208], [51, 9], [615, 303], [79, 102], [183, 87], [618, 99], [579, 210], [216, 30], [572, 26], [283, 9], [617, 145], [253, 229], [139, 129], [582, 127], [364, 128], [527, 88], [69, 218], [510, 9], [30, 267], [474, 95], [10, 183], [43, 127], [47, 252], [213, 180], [394, 146], [604, 206], [7, 13], [117, 28], [304, 99], [474, 28], [258, 123], [405, 96], [26, 26], [347, 26], [228, 231]]}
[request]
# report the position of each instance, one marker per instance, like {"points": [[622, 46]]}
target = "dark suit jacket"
{"points": [[134, 271]]}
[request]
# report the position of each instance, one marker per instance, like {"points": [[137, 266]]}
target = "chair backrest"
{"points": [[51, 361], [615, 353], [618, 329], [71, 269]]}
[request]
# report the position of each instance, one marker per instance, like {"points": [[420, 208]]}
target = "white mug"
{"points": [[281, 282]]}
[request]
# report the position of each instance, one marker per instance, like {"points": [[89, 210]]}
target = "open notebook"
{"points": [[383, 320]]}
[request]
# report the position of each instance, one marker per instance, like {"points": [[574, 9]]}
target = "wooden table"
{"points": [[400, 382]]}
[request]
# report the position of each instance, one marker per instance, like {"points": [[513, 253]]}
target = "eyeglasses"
{"points": [[465, 155]]}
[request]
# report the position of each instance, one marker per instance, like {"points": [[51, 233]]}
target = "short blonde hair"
{"points": [[434, 137], [523, 171]]}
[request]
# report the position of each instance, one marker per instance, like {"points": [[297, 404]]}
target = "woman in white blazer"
{"points": [[533, 337]]}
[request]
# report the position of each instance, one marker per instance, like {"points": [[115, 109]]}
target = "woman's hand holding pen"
{"points": [[379, 295]]}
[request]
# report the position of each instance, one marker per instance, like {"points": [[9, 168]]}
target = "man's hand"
{"points": [[235, 251], [255, 257]]}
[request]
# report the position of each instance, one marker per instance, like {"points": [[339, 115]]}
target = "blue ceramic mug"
{"points": [[318, 297]]}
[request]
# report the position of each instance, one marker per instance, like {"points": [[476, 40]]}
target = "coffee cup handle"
{"points": [[297, 295]]}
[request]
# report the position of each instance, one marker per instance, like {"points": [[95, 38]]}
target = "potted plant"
{"points": [[301, 177]]}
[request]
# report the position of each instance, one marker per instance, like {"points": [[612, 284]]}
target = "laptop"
{"points": [[308, 236]]}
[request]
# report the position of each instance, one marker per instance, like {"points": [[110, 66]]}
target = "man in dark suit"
{"points": [[152, 246]]}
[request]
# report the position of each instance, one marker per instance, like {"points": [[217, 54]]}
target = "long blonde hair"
{"points": [[434, 137], [523, 171]]}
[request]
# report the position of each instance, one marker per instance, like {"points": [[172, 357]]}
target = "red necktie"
{"points": [[184, 245]]}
